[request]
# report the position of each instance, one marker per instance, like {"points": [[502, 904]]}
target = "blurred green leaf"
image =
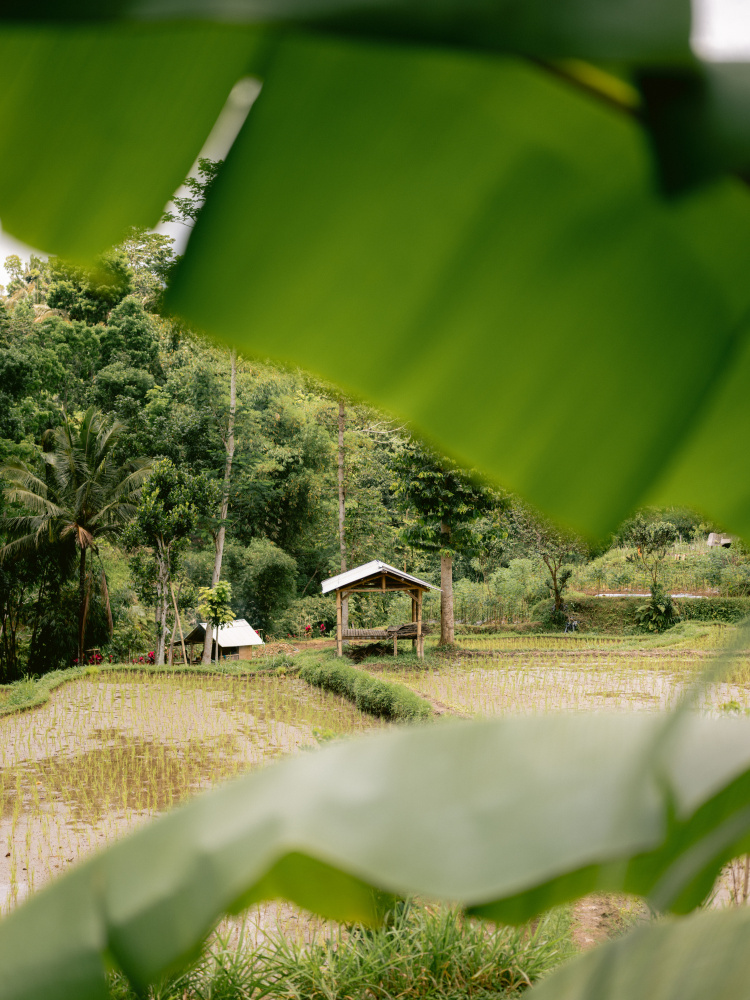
{"points": [[702, 956], [507, 817], [698, 121], [478, 248], [639, 30], [100, 125], [707, 469]]}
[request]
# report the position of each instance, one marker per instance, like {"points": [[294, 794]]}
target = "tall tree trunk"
{"points": [[178, 624], [342, 513], [82, 602], [447, 627], [229, 444], [163, 590], [108, 606], [37, 616]]}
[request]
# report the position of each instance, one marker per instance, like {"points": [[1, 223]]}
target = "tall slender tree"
{"points": [[342, 509], [80, 495], [220, 534], [446, 500], [557, 548], [174, 505]]}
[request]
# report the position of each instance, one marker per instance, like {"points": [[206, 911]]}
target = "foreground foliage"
{"points": [[417, 169], [598, 803], [338, 219], [420, 952]]}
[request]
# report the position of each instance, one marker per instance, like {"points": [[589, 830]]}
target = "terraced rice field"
{"points": [[110, 751], [107, 753], [496, 675]]}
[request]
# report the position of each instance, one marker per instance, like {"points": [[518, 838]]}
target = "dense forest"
{"points": [[142, 461], [91, 352]]}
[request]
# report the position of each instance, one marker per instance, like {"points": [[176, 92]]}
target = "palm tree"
{"points": [[81, 496]]}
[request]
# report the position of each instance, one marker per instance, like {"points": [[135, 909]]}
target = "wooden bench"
{"points": [[395, 632]]}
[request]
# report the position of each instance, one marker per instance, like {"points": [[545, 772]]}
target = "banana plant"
{"points": [[521, 225]]}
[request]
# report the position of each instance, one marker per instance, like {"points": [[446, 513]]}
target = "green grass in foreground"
{"points": [[423, 951]]}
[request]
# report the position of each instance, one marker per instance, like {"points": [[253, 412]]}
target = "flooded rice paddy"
{"points": [[498, 675], [109, 752]]}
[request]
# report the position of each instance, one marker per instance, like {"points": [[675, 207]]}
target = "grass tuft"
{"points": [[421, 952], [370, 694]]}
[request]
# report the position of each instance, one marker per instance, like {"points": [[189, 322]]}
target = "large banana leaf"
{"points": [[490, 262], [702, 956], [100, 125], [507, 817], [641, 30], [469, 238], [476, 241]]}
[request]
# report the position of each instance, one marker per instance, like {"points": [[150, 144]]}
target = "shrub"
{"points": [[420, 952], [369, 694], [735, 580], [658, 613], [715, 609]]}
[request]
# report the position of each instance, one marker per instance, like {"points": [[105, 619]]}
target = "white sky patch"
{"points": [[216, 147], [721, 30], [8, 246]]}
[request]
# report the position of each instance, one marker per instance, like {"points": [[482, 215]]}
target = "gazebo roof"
{"points": [[375, 571], [239, 633]]}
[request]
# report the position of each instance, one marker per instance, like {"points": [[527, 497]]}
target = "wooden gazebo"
{"points": [[378, 577]]}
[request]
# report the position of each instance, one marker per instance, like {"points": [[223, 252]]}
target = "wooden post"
{"points": [[339, 636], [420, 637], [178, 620], [414, 617]]}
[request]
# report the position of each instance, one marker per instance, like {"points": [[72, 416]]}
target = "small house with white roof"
{"points": [[236, 641], [378, 577]]}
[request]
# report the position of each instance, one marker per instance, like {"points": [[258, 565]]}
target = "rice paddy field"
{"points": [[500, 674], [111, 750]]}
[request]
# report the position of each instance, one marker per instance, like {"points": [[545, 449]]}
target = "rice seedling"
{"points": [[110, 750], [528, 674]]}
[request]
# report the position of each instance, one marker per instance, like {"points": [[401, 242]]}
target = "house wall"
{"points": [[247, 652]]}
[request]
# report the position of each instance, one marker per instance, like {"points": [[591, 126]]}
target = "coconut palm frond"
{"points": [[24, 524], [39, 504], [91, 429], [133, 482], [26, 543], [107, 439], [114, 515], [22, 475], [84, 539]]}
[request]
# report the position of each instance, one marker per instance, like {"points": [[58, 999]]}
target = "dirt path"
{"points": [[601, 917]]}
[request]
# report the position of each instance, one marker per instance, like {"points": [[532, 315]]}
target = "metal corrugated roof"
{"points": [[370, 569]]}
